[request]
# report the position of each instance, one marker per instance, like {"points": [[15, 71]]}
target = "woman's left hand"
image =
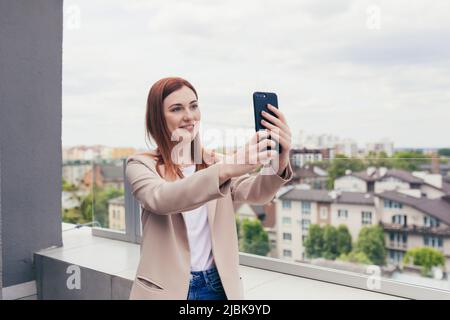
{"points": [[280, 132]]}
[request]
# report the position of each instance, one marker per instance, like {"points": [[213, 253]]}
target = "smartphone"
{"points": [[260, 102]]}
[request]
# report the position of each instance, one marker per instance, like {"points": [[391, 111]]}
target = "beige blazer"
{"points": [[164, 267]]}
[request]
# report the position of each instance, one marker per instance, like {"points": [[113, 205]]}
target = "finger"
{"points": [[262, 145], [274, 120], [258, 136], [272, 127], [283, 141], [280, 116], [282, 134], [267, 155], [277, 112]]}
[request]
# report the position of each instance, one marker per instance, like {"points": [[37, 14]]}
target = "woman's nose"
{"points": [[189, 115]]}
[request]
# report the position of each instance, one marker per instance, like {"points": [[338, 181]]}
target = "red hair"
{"points": [[156, 126]]}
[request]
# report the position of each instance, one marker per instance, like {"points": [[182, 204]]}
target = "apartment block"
{"points": [[298, 209], [116, 213], [408, 219], [413, 221]]}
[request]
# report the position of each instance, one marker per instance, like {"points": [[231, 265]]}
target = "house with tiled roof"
{"points": [[382, 179]]}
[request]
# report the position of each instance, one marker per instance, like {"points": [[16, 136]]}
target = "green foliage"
{"points": [[330, 242], [254, 239], [425, 257], [314, 242], [344, 239], [339, 165], [356, 257], [371, 243], [100, 203], [409, 160], [444, 152], [93, 206], [66, 186], [380, 159], [73, 215], [327, 241]]}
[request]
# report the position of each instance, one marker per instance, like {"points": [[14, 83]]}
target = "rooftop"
{"points": [[379, 174], [360, 198], [438, 208]]}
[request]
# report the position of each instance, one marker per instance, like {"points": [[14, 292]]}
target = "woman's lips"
{"points": [[189, 128]]}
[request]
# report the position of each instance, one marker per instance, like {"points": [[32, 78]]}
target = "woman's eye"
{"points": [[194, 106], [176, 109]]}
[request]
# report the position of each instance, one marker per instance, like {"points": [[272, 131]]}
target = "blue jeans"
{"points": [[206, 285]]}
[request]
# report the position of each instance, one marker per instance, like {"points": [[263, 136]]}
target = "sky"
{"points": [[361, 70]]}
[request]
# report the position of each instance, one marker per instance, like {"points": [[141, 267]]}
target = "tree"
{"points": [[330, 242], [94, 206], [66, 186], [314, 241], [371, 243], [378, 159], [356, 257], [101, 197], [339, 165], [408, 160], [444, 152], [255, 239], [425, 257], [344, 239]]}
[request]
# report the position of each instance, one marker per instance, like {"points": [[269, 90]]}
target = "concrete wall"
{"points": [[30, 132]]}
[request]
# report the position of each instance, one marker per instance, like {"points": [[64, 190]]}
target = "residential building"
{"points": [[310, 175], [408, 219], [106, 175], [298, 209], [346, 147], [116, 213], [382, 179], [386, 146], [73, 171], [300, 157], [411, 222]]}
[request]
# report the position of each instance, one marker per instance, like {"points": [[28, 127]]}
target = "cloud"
{"points": [[332, 74]]}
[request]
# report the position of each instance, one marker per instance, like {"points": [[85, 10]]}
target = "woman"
{"points": [[189, 246]]}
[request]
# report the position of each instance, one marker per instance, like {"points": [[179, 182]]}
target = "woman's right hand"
{"points": [[248, 157]]}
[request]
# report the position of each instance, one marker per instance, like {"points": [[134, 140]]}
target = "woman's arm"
{"points": [[260, 188], [162, 197]]}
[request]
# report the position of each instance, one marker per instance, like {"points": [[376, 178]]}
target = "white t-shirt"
{"points": [[199, 234]]}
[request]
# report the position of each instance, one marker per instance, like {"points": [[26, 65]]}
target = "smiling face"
{"points": [[182, 113]]}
